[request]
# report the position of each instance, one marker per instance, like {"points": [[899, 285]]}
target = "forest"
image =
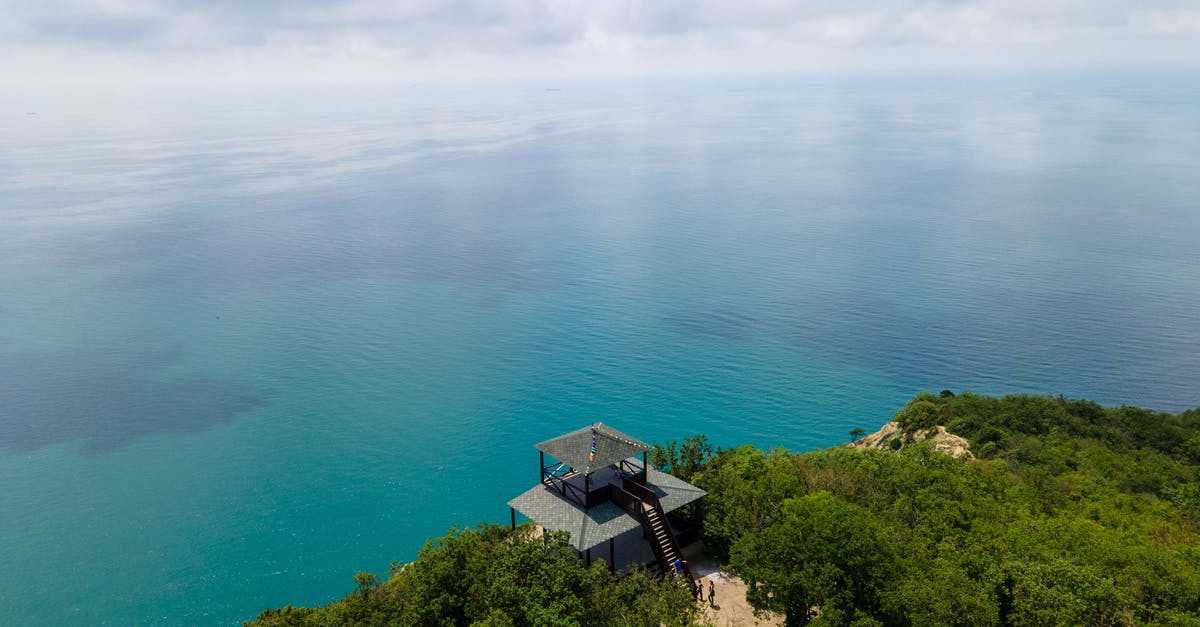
{"points": [[1069, 514]]}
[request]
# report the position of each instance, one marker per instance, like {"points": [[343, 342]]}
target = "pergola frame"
{"points": [[557, 474], [585, 451]]}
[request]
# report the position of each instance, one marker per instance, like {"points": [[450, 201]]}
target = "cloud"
{"points": [[486, 37]]}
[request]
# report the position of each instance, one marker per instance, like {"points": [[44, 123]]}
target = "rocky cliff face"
{"points": [[893, 436]]}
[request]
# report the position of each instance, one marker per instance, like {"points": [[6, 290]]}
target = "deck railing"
{"points": [[564, 487], [627, 501], [632, 472], [641, 491]]}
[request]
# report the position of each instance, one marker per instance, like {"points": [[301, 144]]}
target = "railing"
{"points": [[598, 495], [632, 472], [641, 491], [564, 487], [628, 502]]}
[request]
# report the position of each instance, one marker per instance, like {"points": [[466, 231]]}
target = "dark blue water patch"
{"points": [[107, 398], [720, 324]]}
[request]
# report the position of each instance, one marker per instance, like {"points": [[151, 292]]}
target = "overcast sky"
{"points": [[206, 41]]}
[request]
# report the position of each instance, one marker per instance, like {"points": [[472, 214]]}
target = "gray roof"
{"points": [[602, 522], [609, 445]]}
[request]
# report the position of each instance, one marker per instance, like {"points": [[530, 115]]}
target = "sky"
{"points": [[149, 42]]}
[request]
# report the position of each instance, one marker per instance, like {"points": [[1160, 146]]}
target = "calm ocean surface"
{"points": [[255, 342]]}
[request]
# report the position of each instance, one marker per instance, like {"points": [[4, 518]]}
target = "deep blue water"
{"points": [[253, 342]]}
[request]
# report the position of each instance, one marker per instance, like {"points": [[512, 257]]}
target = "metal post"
{"points": [[588, 561], [612, 560], [541, 466], [513, 512], [645, 464]]}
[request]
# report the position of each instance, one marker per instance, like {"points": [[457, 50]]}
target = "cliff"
{"points": [[893, 436]]}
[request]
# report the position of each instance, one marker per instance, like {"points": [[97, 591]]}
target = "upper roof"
{"points": [[592, 447]]}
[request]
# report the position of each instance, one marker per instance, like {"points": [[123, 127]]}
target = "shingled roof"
{"points": [[592, 447], [590, 527]]}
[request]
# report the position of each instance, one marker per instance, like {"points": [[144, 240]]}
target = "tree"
{"points": [[663, 456], [919, 414], [366, 582], [948, 590], [823, 551], [856, 433], [1058, 592], [684, 459], [694, 453], [737, 503]]}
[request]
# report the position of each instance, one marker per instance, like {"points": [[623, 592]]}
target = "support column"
{"points": [[513, 513], [541, 466], [588, 561], [612, 559]]}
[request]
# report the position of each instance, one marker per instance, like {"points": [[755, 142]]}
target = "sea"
{"points": [[256, 339]]}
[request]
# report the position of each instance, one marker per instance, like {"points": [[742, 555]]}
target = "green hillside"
{"points": [[1072, 514]]}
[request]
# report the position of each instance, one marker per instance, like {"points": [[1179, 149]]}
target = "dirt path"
{"points": [[729, 607]]}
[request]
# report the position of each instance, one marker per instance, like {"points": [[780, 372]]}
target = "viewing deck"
{"points": [[598, 486], [592, 526]]}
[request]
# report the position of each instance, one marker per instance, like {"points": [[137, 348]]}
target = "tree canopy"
{"points": [[821, 551], [1073, 514], [490, 575]]}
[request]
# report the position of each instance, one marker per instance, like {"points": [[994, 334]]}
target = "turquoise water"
{"points": [[254, 342]]}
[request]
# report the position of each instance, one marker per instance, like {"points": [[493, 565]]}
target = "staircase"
{"points": [[655, 526]]}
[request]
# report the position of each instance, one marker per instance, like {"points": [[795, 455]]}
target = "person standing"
{"points": [[712, 594]]}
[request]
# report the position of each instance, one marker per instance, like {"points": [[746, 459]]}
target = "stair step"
{"points": [[660, 536]]}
